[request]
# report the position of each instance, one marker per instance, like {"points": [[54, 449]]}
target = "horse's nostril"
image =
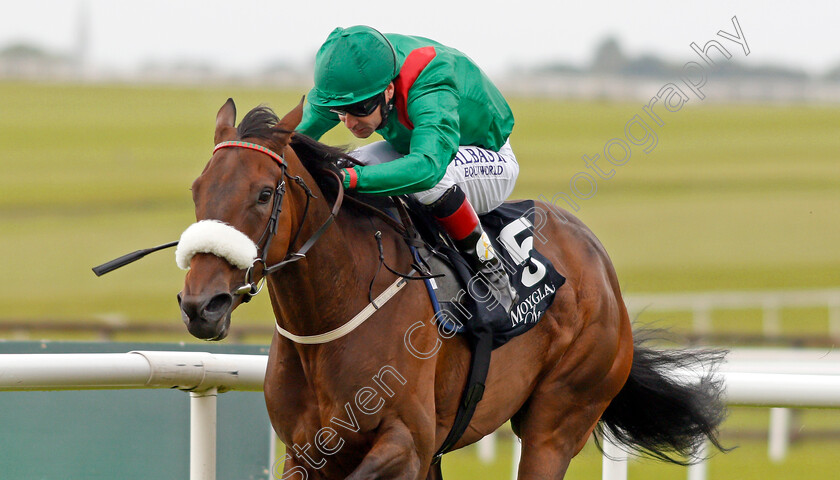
{"points": [[206, 319], [219, 304]]}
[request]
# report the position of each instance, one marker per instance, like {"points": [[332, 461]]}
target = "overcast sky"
{"points": [[247, 34]]}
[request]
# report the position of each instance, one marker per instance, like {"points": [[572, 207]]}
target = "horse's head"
{"points": [[241, 219]]}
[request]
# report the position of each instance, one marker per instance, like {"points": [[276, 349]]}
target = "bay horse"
{"points": [[365, 405]]}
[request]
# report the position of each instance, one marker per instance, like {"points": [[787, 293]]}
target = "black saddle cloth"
{"points": [[470, 307]]}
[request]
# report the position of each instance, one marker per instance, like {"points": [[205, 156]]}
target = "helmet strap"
{"points": [[385, 108]]}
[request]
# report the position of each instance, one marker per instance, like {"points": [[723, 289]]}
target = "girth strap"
{"points": [[482, 346], [480, 336]]}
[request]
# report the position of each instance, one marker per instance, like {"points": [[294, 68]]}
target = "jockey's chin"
{"points": [[362, 127], [362, 132]]}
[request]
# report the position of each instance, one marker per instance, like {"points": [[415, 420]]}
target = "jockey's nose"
{"points": [[350, 121]]}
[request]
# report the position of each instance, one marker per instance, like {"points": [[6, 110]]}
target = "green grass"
{"points": [[732, 197], [807, 457]]}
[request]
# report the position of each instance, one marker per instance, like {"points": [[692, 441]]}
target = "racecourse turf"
{"points": [[730, 197]]}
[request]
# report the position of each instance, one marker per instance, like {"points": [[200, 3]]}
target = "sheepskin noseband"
{"points": [[218, 238]]}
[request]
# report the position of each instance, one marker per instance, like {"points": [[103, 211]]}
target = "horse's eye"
{"points": [[265, 195]]}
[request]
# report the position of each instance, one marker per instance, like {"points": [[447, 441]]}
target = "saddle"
{"points": [[462, 302], [461, 297]]}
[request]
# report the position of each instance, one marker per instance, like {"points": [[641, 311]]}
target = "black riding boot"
{"points": [[460, 221]]}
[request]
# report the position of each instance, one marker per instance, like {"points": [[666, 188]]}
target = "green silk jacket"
{"points": [[442, 100]]}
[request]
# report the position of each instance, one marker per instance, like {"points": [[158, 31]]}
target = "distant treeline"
{"points": [[610, 59]]}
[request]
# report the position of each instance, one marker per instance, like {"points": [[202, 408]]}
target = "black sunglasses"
{"points": [[360, 109]]}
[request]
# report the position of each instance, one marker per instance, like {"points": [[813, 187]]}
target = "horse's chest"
{"points": [[330, 414]]}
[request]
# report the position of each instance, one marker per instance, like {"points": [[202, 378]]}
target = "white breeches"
{"points": [[486, 177]]}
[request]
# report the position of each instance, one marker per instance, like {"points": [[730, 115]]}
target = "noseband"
{"points": [[252, 287]]}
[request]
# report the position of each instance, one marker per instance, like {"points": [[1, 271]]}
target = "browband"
{"points": [[253, 146]]}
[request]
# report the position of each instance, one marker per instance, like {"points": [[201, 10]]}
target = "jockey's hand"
{"points": [[349, 177], [343, 163]]}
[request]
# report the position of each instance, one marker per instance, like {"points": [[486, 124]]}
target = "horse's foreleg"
{"points": [[289, 469], [393, 456]]}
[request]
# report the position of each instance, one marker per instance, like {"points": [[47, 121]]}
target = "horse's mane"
{"points": [[259, 123], [315, 156]]}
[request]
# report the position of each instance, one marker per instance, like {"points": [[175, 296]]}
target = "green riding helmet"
{"points": [[352, 65]]}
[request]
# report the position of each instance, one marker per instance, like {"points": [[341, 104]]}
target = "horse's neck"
{"points": [[322, 291]]}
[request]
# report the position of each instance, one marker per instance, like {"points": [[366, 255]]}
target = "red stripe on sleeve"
{"points": [[353, 176]]}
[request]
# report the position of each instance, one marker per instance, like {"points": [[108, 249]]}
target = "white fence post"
{"points": [[517, 455], [779, 434], [487, 449], [698, 470], [614, 462], [702, 319], [771, 320], [834, 317], [203, 435]]}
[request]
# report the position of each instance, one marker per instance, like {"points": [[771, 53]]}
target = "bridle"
{"points": [[252, 287], [205, 236]]}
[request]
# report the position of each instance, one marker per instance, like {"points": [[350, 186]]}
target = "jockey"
{"points": [[445, 126]]}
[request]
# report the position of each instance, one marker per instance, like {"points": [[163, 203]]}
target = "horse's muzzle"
{"points": [[207, 318]]}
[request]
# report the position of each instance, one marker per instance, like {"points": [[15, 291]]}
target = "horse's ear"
{"points": [[225, 120], [292, 119]]}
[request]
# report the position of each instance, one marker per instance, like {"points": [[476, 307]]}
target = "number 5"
{"points": [[520, 252]]}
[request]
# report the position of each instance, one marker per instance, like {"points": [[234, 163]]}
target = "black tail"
{"points": [[660, 415]]}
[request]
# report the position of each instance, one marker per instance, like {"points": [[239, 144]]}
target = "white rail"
{"points": [[702, 304], [202, 374], [195, 371], [764, 378], [776, 378], [753, 389]]}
